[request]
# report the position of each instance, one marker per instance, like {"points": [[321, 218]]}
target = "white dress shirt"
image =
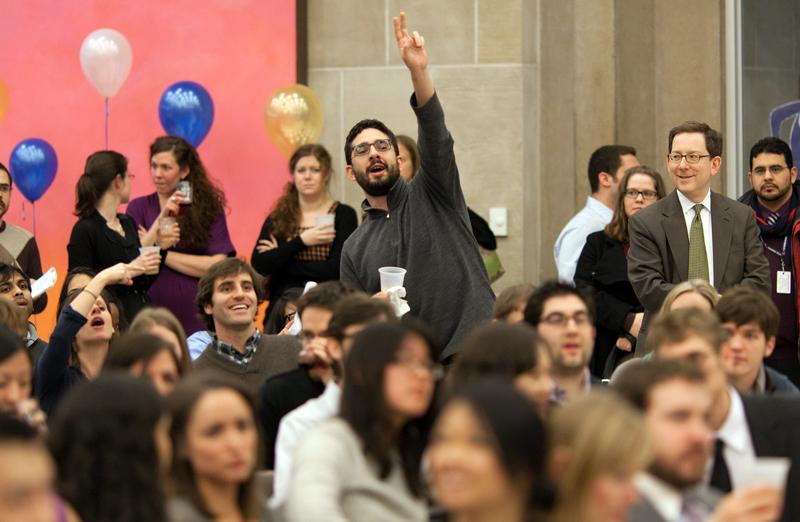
{"points": [[291, 428], [705, 216], [735, 433], [569, 245]]}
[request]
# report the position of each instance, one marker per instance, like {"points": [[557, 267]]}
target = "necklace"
{"points": [[116, 226]]}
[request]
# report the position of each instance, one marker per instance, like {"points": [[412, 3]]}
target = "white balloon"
{"points": [[106, 60]]}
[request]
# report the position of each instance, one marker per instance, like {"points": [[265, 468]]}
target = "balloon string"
{"points": [[24, 214], [33, 213], [106, 122]]}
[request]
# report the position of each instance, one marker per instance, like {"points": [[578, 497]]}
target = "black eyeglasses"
{"points": [[648, 195], [692, 157], [382, 145]]}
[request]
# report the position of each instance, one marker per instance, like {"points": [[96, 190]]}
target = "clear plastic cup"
{"points": [[165, 223], [144, 250], [325, 219], [766, 471], [391, 276]]}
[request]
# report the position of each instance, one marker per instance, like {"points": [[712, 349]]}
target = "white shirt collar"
{"points": [[734, 432], [595, 205], [665, 499], [687, 205]]}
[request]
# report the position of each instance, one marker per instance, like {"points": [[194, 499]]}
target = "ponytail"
{"points": [[99, 173]]}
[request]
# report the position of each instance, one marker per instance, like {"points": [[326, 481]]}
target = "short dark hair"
{"points": [[358, 309], [713, 137], [7, 272], [742, 304], [358, 128], [675, 326], [230, 266], [636, 385], [325, 295], [550, 289], [772, 145], [608, 159], [10, 180]]}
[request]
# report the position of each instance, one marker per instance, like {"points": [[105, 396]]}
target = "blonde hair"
{"points": [[698, 286], [152, 316], [598, 434]]}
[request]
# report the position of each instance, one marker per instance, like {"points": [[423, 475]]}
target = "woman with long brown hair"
{"points": [[302, 238], [195, 211], [603, 269]]}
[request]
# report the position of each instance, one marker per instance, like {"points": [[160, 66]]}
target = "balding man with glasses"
{"points": [[693, 233]]}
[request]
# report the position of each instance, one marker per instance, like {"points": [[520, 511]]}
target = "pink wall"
{"points": [[239, 50]]}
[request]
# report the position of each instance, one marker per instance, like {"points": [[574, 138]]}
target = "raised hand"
{"points": [[411, 46]]}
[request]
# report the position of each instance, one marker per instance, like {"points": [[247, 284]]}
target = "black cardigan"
{"points": [[92, 244]]}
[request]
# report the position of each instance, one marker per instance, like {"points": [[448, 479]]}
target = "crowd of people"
{"points": [[656, 380]]}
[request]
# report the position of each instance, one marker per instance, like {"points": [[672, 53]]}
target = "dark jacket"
{"points": [[603, 270], [778, 382]]}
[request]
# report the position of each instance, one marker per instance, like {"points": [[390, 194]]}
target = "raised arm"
{"points": [[413, 53]]}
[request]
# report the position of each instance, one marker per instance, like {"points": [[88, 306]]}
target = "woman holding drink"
{"points": [[188, 205], [102, 237], [301, 239]]}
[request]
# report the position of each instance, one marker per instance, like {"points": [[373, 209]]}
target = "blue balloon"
{"points": [[186, 110], [33, 167]]}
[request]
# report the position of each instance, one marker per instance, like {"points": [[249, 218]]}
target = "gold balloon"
{"points": [[3, 100], [294, 117]]}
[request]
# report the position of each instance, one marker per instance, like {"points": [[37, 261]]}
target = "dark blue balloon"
{"points": [[33, 166], [186, 110]]}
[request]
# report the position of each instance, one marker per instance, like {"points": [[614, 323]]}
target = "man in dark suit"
{"points": [[694, 232], [744, 426]]}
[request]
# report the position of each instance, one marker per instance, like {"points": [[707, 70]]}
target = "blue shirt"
{"points": [[569, 245]]}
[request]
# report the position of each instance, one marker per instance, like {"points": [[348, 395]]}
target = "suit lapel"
{"points": [[721, 232], [762, 432], [677, 238]]}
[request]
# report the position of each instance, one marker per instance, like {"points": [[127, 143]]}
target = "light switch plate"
{"points": [[498, 221]]}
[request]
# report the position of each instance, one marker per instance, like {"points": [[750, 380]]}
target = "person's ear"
{"points": [[350, 174], [770, 347]]}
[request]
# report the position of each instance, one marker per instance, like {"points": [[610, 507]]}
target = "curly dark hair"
{"points": [[286, 214], [207, 199], [102, 440]]}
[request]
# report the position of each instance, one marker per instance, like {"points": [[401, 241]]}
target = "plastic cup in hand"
{"points": [[147, 249], [325, 219], [391, 276], [165, 223], [766, 471]]}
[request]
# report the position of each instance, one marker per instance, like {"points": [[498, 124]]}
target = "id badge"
{"points": [[783, 283]]}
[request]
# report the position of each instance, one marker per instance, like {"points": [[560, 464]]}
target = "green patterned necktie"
{"points": [[698, 262]]}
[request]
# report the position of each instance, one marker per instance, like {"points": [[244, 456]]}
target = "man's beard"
{"points": [[377, 187], [765, 197], [673, 478]]}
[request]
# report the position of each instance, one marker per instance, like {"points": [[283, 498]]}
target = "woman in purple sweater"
{"points": [[186, 203]]}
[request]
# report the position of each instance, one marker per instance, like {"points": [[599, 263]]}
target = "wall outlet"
{"points": [[498, 221]]}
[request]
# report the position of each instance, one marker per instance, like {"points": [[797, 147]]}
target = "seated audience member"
{"points": [[16, 380], [598, 443], [510, 303], [351, 315], [676, 403], [481, 468], [162, 323], [79, 342], [215, 438], [15, 288], [564, 317], [744, 426], [286, 391], [227, 297], [512, 352], [602, 269], [365, 464], [294, 247], [26, 476], [79, 277], [11, 318], [694, 293], [751, 319], [145, 355], [108, 445]]}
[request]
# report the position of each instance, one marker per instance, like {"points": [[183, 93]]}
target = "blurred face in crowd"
{"points": [[744, 352], [467, 474], [537, 384], [99, 326], [5, 193], [643, 188], [161, 370], [309, 178], [612, 495], [408, 381], [166, 173], [17, 291], [691, 299], [406, 167], [26, 478], [697, 350], [517, 315], [15, 381], [567, 328], [375, 171], [771, 178], [693, 180], [78, 281], [677, 420], [233, 303], [221, 438], [169, 336]]}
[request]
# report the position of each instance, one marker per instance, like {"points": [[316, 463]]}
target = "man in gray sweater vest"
{"points": [[422, 226], [228, 296]]}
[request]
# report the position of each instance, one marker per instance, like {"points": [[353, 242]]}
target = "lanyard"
{"points": [[779, 254]]}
